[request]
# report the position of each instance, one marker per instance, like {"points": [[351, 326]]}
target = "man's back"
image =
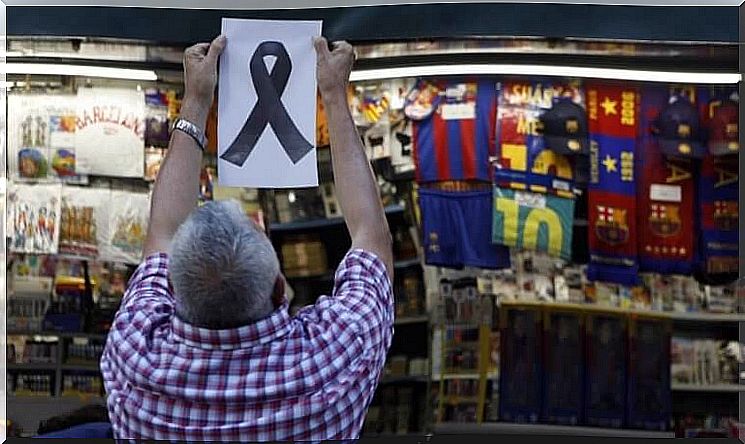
{"points": [[306, 377]]}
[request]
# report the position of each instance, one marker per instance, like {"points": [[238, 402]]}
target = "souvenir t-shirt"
{"points": [[85, 213], [524, 161], [34, 218], [533, 221], [127, 227], [453, 129], [41, 137], [110, 133]]}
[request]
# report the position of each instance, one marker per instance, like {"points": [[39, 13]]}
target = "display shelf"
{"points": [[406, 378], [411, 320], [707, 317], [321, 223], [65, 335], [31, 366], [81, 367], [407, 263], [543, 429], [713, 388], [489, 376], [313, 277], [675, 316]]}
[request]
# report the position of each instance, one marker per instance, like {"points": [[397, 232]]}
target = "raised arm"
{"points": [[176, 189], [356, 187]]}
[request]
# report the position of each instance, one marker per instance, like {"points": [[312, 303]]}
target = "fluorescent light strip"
{"points": [[545, 70], [78, 70]]}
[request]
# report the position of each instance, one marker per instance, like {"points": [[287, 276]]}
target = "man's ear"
{"points": [[278, 297]]}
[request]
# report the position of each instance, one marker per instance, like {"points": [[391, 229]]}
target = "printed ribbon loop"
{"points": [[269, 109]]}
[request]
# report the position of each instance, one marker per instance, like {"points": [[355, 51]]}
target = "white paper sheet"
{"points": [[267, 165]]}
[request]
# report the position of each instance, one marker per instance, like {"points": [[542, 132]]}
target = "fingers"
{"points": [[216, 47], [322, 46], [200, 49], [343, 47]]}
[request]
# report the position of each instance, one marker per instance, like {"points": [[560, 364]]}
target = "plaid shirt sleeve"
{"points": [[147, 304], [362, 297]]}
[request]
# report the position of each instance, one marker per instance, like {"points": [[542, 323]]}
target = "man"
{"points": [[203, 347]]}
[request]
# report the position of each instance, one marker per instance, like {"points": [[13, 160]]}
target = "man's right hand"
{"points": [[333, 66]]}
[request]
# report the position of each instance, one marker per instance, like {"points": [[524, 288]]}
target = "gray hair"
{"points": [[223, 268]]}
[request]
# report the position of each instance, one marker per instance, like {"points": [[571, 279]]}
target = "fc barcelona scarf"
{"points": [[718, 185], [718, 192], [665, 199], [613, 119]]}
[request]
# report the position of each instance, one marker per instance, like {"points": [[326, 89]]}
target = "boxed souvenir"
{"points": [[521, 343], [605, 369], [681, 360], [563, 366], [649, 396]]}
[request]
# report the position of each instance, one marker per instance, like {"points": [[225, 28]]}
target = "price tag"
{"points": [[666, 193], [530, 200], [458, 111]]}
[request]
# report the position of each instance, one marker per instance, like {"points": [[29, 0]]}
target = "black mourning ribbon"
{"points": [[269, 109]]}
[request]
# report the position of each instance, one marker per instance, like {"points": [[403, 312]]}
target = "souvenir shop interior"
{"points": [[565, 238]]}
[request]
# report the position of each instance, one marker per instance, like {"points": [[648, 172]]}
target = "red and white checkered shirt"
{"points": [[308, 377]]}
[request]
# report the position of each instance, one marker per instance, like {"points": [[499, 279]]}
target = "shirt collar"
{"points": [[260, 332]]}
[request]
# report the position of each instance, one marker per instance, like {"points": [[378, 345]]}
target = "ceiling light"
{"points": [[78, 70], [545, 70]]}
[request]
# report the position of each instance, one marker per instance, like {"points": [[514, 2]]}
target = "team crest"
{"points": [[664, 220], [725, 215], [611, 225]]}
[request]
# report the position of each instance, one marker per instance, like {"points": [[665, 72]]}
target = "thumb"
{"points": [[216, 47], [322, 46]]}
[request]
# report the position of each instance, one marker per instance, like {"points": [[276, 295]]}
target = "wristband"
{"points": [[192, 131]]}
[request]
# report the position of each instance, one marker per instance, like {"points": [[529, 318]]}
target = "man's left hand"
{"points": [[200, 78]]}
